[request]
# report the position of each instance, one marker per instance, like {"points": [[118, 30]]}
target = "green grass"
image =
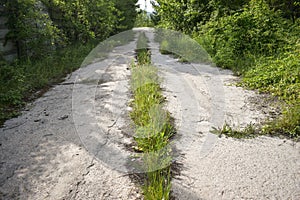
{"points": [[143, 54], [158, 185], [288, 124], [250, 131], [153, 125]]}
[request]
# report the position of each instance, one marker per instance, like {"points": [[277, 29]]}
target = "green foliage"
{"points": [[30, 27], [222, 8], [39, 27], [84, 19], [12, 85], [290, 8], [257, 31], [171, 13], [281, 77], [127, 13], [187, 15], [249, 131], [278, 75], [143, 20]]}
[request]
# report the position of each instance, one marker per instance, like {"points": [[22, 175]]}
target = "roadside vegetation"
{"points": [[21, 80], [52, 39], [257, 39], [143, 19], [153, 128]]}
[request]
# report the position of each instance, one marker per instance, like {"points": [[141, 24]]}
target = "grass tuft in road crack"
{"points": [[250, 131], [153, 125]]}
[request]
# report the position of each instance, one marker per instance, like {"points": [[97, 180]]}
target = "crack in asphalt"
{"points": [[46, 159]]}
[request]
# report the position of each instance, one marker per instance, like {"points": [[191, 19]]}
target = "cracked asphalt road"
{"points": [[45, 155]]}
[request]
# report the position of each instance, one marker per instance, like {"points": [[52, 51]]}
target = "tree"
{"points": [[30, 27], [143, 19], [182, 15], [289, 8], [127, 13], [82, 20]]}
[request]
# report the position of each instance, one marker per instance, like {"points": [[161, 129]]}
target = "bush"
{"points": [[237, 39], [278, 75], [82, 20]]}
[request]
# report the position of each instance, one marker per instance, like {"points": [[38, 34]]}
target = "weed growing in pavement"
{"points": [[250, 131], [153, 125], [143, 53]]}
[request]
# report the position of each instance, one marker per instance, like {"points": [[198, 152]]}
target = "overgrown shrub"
{"points": [[280, 76], [236, 40], [38, 27], [82, 20]]}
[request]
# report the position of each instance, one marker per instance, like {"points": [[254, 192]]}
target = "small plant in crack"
{"points": [[153, 126], [250, 131]]}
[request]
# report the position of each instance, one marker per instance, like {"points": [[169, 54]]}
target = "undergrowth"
{"points": [[280, 76], [21, 79]]}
